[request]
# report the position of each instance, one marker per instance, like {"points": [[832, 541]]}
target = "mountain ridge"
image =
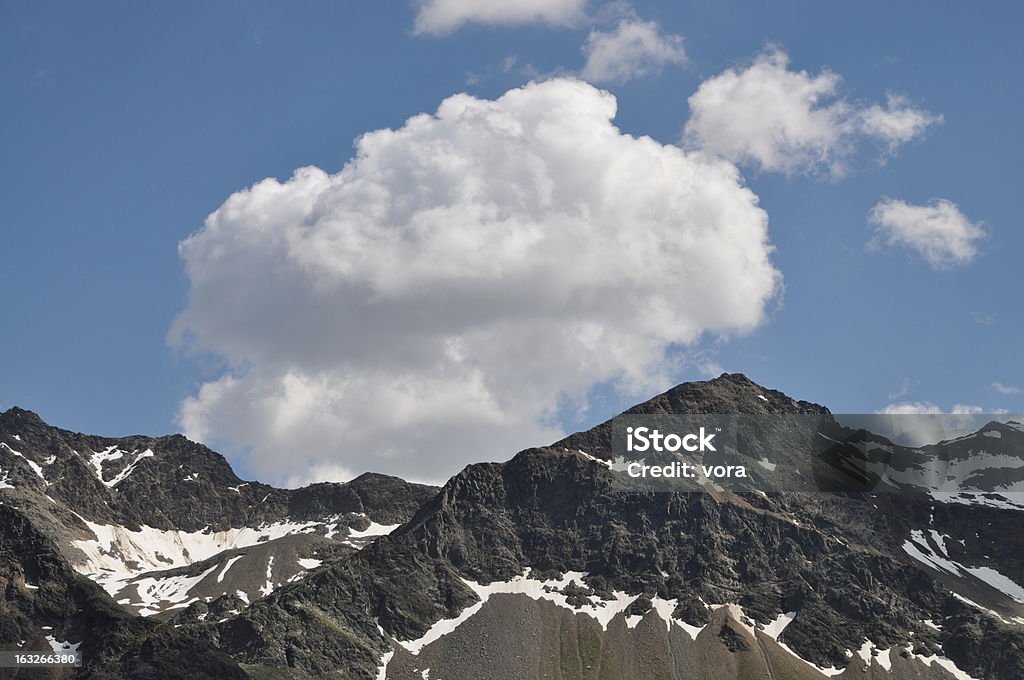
{"points": [[707, 584]]}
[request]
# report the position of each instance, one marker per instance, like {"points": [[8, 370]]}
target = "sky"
{"points": [[330, 237]]}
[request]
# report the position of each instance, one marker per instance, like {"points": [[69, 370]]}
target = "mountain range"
{"points": [[154, 560]]}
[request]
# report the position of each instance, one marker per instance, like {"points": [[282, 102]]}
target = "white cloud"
{"points": [[793, 122], [633, 49], [430, 304], [1005, 389], [917, 423], [898, 122], [928, 408], [938, 231], [443, 17]]}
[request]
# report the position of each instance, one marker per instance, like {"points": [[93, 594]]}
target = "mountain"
{"points": [[539, 568], [542, 567], [161, 525], [48, 607]]}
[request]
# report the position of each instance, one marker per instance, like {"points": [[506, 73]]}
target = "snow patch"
{"points": [[382, 672], [309, 563], [60, 646], [171, 589], [373, 530], [998, 581], [775, 628], [1004, 501], [227, 565], [919, 548], [942, 662], [869, 650], [98, 458], [664, 609], [268, 587], [36, 468], [116, 554], [123, 474], [586, 455], [603, 611], [952, 476], [767, 464]]}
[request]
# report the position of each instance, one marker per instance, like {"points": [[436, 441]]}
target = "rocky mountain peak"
{"points": [[728, 393]]}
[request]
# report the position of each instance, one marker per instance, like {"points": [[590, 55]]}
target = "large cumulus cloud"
{"points": [[460, 279]]}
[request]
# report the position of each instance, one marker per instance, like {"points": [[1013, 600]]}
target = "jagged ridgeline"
{"points": [[154, 559]]}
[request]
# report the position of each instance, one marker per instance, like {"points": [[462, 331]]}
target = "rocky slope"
{"points": [[163, 523], [47, 607]]}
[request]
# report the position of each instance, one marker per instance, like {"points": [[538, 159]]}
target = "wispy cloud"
{"points": [[983, 319], [1005, 389], [904, 390]]}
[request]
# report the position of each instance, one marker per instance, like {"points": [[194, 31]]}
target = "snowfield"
{"points": [[117, 554]]}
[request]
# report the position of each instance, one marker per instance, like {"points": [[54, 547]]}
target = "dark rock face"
{"points": [[174, 483], [732, 639], [385, 499]]}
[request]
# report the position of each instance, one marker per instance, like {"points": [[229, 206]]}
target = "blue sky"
{"points": [[125, 125]]}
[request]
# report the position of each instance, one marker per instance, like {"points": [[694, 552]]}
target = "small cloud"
{"points": [[633, 49], [510, 65], [444, 17], [904, 390], [938, 231], [709, 367], [897, 123], [983, 319], [43, 78], [1005, 389]]}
